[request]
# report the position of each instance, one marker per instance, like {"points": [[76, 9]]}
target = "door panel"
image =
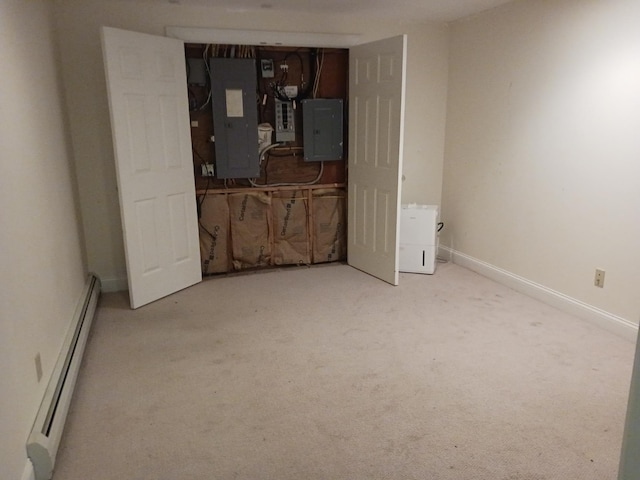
{"points": [[147, 87], [376, 131]]}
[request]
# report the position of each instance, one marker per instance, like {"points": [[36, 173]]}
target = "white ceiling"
{"points": [[436, 10]]}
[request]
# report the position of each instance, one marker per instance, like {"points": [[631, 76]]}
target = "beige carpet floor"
{"points": [[328, 373]]}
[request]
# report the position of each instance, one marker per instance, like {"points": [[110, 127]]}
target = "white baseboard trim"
{"points": [[110, 285], [28, 473], [613, 323]]}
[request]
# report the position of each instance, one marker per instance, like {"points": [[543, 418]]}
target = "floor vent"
{"points": [[43, 442]]}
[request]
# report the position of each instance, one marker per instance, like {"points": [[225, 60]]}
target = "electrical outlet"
{"points": [[598, 281], [207, 169], [38, 367]]}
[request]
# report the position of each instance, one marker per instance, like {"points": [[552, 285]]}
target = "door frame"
{"points": [[263, 37], [206, 35]]}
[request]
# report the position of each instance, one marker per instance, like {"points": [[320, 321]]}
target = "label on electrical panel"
{"points": [[235, 106]]}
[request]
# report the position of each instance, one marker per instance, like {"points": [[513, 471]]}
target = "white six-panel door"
{"points": [[147, 87], [376, 131]]}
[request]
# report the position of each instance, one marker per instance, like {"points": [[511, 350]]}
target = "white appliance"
{"points": [[418, 238]]}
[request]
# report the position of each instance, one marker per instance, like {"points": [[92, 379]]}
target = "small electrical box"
{"points": [[285, 123], [266, 68], [196, 71], [322, 129]]}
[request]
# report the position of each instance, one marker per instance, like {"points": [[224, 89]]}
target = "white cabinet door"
{"points": [[147, 87], [376, 131]]}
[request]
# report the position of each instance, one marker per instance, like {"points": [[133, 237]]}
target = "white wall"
{"points": [[40, 242], [542, 162], [78, 25]]}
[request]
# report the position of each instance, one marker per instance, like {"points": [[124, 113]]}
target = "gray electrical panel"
{"points": [[322, 129], [235, 117]]}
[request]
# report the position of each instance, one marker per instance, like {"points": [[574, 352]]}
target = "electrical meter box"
{"points": [[235, 117], [322, 129]]}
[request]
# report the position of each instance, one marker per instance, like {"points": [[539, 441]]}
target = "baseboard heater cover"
{"points": [[44, 439]]}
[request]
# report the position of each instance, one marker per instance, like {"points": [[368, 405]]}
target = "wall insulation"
{"points": [[214, 233], [291, 237], [250, 222], [239, 231], [329, 244]]}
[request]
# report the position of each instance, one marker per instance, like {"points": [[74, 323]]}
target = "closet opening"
{"points": [[269, 144]]}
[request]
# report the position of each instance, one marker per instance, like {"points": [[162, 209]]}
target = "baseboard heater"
{"points": [[44, 439]]}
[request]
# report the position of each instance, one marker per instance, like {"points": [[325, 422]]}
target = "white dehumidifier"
{"points": [[418, 238]]}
